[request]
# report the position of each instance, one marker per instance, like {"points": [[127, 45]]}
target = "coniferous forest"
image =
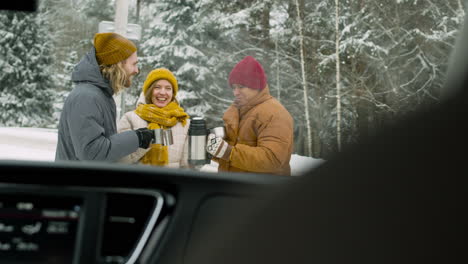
{"points": [[343, 68]]}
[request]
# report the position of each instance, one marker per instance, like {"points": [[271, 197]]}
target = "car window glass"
{"points": [[343, 69]]}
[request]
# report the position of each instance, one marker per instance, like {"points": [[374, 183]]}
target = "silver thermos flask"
{"points": [[197, 142]]}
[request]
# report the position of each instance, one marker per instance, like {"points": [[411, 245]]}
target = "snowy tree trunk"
{"points": [[338, 91], [277, 69], [120, 22], [304, 83], [138, 8], [460, 7]]}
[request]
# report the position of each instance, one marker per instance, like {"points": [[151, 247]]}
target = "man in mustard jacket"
{"points": [[259, 130]]}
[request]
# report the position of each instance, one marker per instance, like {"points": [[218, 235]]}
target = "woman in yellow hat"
{"points": [[158, 108]]}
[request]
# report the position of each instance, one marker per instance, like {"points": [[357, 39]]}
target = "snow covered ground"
{"points": [[27, 143], [299, 165], [39, 144]]}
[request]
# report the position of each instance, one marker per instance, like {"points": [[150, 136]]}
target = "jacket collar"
{"points": [[234, 113], [261, 97]]}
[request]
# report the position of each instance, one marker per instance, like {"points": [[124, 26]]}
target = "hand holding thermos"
{"points": [[203, 141]]}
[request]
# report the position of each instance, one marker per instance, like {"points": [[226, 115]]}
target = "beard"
{"points": [[128, 80]]}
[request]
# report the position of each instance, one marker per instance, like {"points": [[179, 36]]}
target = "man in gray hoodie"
{"points": [[87, 125]]}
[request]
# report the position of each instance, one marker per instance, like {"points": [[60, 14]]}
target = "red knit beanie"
{"points": [[248, 72]]}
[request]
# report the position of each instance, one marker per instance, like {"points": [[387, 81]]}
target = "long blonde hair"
{"points": [[116, 74]]}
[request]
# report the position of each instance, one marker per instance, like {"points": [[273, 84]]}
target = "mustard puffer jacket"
{"points": [[262, 136]]}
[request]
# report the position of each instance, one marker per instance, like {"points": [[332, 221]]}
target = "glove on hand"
{"points": [[217, 147], [145, 136]]}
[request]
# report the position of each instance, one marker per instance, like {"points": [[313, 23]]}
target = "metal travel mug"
{"points": [[197, 141], [158, 137], [163, 137], [219, 132], [167, 137]]}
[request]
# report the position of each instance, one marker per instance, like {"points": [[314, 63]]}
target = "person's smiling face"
{"points": [[162, 93]]}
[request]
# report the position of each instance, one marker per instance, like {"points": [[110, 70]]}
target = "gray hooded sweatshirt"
{"points": [[87, 126]]}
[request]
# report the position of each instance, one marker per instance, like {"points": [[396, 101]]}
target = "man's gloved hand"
{"points": [[217, 147], [145, 136]]}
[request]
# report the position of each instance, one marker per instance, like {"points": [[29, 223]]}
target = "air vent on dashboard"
{"points": [[127, 223]]}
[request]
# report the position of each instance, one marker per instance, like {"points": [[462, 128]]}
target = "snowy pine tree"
{"points": [[231, 31], [172, 40], [26, 94]]}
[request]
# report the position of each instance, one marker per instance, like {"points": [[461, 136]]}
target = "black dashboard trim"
{"points": [[86, 192]]}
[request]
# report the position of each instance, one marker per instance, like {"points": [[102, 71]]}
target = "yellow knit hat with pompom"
{"points": [[158, 74]]}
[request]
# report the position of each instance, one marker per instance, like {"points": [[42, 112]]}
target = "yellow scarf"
{"points": [[157, 118]]}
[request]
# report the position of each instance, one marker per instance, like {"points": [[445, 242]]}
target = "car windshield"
{"points": [[342, 69]]}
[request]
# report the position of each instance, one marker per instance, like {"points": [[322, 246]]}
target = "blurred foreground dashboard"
{"points": [[106, 213]]}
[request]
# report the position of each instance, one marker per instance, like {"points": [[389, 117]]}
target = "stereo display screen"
{"points": [[38, 229]]}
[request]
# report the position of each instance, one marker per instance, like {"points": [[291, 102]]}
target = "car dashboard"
{"points": [[110, 213]]}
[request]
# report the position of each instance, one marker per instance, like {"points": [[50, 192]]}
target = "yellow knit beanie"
{"points": [[112, 48], [158, 74]]}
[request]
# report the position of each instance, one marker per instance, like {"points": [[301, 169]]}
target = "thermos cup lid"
{"points": [[197, 126]]}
